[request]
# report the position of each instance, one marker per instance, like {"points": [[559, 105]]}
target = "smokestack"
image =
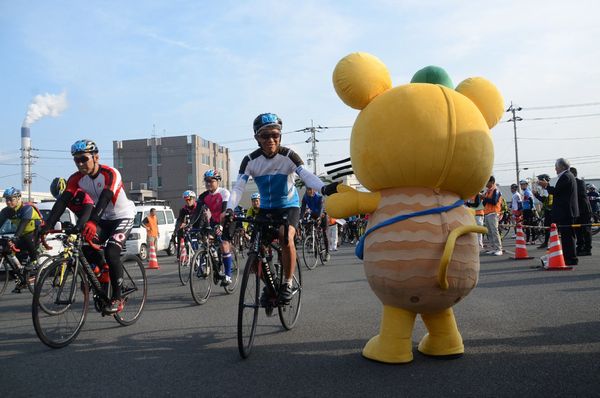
{"points": [[26, 161]]}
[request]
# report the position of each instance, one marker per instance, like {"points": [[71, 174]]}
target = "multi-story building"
{"points": [[163, 167]]}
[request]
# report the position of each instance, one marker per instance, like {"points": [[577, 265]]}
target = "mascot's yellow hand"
{"points": [[349, 202]]}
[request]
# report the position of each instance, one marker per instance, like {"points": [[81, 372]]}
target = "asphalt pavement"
{"points": [[527, 332]]}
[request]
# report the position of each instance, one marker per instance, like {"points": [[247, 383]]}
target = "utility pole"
{"points": [[512, 109], [314, 153]]}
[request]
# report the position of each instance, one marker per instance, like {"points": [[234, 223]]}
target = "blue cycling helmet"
{"points": [[11, 192], [255, 195], [212, 173], [189, 194], [267, 120], [84, 146], [58, 186]]}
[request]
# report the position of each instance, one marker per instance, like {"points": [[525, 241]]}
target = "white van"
{"points": [[136, 242]]}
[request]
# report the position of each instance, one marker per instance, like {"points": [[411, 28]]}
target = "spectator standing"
{"points": [[564, 208], [594, 198], [492, 206], [528, 212], [476, 203], [516, 206], [546, 199], [583, 233], [150, 222]]}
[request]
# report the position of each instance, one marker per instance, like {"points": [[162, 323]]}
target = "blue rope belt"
{"points": [[361, 243]]}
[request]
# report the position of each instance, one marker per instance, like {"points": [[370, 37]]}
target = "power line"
{"points": [[562, 117], [561, 106]]}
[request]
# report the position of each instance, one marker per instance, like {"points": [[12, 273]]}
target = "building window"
{"points": [[158, 157], [206, 159], [205, 143], [159, 181], [150, 158], [189, 154], [119, 161], [190, 180]]}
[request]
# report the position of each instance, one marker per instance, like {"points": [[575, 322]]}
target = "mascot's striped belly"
{"points": [[402, 260]]}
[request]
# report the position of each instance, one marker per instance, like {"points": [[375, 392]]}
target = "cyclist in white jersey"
{"points": [[112, 217], [273, 167]]}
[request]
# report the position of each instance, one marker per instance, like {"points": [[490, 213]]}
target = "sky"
{"points": [[128, 70]]}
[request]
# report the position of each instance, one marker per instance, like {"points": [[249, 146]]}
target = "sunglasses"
{"points": [[81, 159], [190, 198], [11, 199], [209, 180], [265, 137]]}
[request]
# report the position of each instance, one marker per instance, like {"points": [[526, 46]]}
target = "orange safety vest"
{"points": [[151, 226], [490, 208]]}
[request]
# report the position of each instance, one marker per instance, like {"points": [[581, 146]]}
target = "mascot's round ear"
{"points": [[360, 77], [485, 96]]}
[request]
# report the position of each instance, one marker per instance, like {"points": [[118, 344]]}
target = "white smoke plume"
{"points": [[45, 105]]}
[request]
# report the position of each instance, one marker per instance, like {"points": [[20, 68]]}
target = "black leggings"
{"points": [[114, 233]]}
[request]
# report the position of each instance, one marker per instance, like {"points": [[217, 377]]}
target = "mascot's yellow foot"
{"points": [[443, 339], [388, 350], [393, 344]]}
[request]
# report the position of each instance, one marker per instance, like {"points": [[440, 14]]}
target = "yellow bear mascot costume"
{"points": [[420, 149]]}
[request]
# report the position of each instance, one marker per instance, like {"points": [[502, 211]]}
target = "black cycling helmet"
{"points": [[543, 177], [267, 120], [84, 146], [58, 186], [515, 186]]}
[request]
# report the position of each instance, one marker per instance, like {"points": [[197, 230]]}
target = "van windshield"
{"points": [[137, 221]]}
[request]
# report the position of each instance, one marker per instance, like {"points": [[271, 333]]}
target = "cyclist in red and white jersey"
{"points": [[215, 198], [112, 216]]}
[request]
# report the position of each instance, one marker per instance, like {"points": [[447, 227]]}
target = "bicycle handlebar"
{"points": [[270, 222]]}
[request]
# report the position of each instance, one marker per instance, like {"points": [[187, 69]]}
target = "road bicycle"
{"points": [[206, 266], [240, 240], [19, 267], [62, 293], [263, 268], [188, 244], [313, 246]]}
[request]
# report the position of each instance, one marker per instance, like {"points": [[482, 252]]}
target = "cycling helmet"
{"points": [[255, 195], [84, 146], [11, 192], [515, 186], [543, 177], [523, 182], [57, 186], [212, 173], [267, 120], [189, 194]]}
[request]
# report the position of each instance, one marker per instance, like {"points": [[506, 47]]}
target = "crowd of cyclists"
{"points": [[105, 214]]}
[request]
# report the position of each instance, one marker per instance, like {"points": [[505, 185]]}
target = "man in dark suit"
{"points": [[564, 208], [584, 234]]}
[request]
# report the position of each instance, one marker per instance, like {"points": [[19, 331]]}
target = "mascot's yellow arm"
{"points": [[350, 202], [449, 249]]}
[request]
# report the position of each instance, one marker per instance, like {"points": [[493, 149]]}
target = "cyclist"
{"points": [[312, 206], [254, 209], [185, 213], [594, 198], [28, 220], [528, 212], [112, 216], [81, 203], [272, 166], [215, 198], [546, 198]]}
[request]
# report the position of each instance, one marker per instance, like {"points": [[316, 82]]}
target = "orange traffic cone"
{"points": [[556, 261], [520, 246], [152, 261]]}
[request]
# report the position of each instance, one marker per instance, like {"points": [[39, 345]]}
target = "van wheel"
{"points": [[171, 249], [143, 254]]}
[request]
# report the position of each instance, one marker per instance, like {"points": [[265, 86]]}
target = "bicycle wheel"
{"points": [[310, 255], [595, 220], [200, 278], [60, 304], [288, 314], [248, 306], [31, 276], [185, 255], [235, 270], [4, 274], [133, 290]]}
